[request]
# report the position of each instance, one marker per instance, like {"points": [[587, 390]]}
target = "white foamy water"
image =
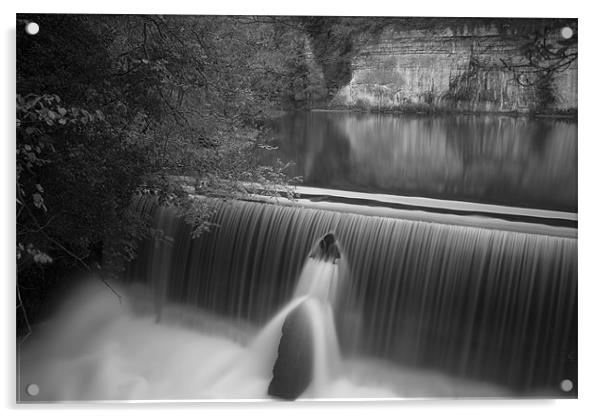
{"points": [[320, 280], [97, 349], [319, 283]]}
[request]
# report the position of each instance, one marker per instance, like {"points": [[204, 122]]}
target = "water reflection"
{"points": [[492, 159]]}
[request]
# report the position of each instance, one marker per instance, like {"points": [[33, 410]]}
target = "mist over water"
{"points": [[476, 303], [97, 349]]}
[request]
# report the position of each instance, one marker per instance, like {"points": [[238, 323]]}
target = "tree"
{"points": [[545, 53], [111, 106]]}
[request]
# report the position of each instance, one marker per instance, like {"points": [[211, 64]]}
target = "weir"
{"points": [[486, 304]]}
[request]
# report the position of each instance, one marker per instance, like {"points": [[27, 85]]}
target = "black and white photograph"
{"points": [[279, 208]]}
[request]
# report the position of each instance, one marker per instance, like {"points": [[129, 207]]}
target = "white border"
{"points": [[590, 204]]}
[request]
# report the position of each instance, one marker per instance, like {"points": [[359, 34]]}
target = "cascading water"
{"points": [[408, 309], [308, 352], [476, 303]]}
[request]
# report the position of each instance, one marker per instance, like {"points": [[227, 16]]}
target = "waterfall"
{"points": [[485, 304], [308, 349]]}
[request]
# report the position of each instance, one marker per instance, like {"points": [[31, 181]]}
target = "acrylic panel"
{"points": [[295, 208]]}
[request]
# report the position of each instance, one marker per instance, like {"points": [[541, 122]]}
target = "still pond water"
{"points": [[516, 161]]}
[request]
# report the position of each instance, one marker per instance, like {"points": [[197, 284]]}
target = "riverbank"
{"points": [[570, 115]]}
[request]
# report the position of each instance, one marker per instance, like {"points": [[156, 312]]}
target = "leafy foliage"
{"points": [[111, 106], [543, 56]]}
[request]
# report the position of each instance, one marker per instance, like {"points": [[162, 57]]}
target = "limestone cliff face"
{"points": [[455, 67]]}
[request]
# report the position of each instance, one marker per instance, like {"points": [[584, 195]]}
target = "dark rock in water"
{"points": [[293, 369], [327, 249]]}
